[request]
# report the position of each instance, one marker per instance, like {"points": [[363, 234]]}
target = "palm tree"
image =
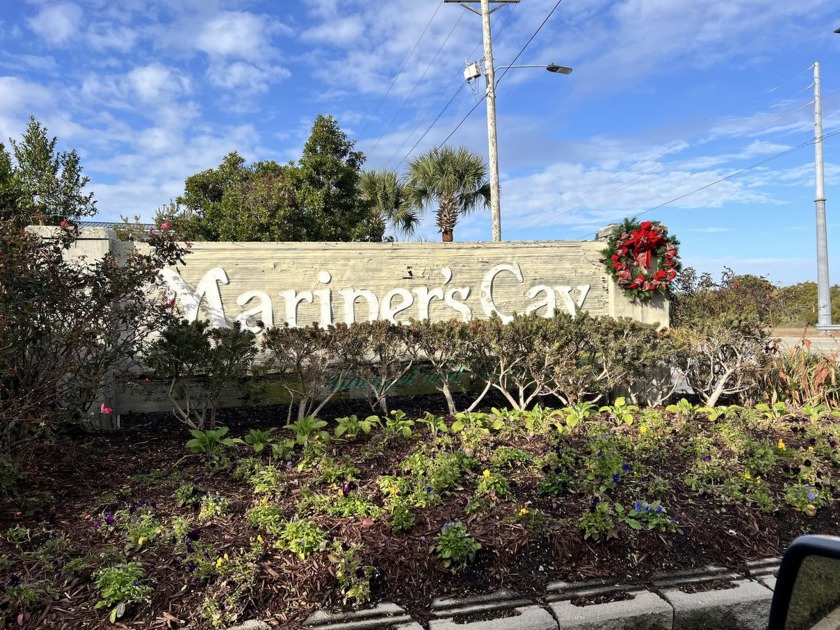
{"points": [[455, 179], [389, 204]]}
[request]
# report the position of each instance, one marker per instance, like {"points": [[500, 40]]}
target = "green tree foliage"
{"points": [[330, 170], [453, 179], [68, 327], [389, 203], [236, 202], [317, 199], [42, 185], [699, 297]]}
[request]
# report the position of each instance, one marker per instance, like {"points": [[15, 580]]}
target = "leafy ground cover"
{"points": [[154, 527]]}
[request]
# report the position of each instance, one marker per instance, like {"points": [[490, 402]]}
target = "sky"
{"points": [[695, 113]]}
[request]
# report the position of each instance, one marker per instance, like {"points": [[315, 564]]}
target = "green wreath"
{"points": [[642, 258]]}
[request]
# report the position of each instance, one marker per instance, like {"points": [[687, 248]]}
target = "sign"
{"points": [[296, 284]]}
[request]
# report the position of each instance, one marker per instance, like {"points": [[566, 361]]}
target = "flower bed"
{"points": [[272, 524]]}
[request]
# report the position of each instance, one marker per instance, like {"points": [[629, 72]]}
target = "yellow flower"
{"points": [[395, 490], [643, 429], [218, 563], [781, 445], [265, 500], [140, 541], [523, 511], [260, 539], [747, 476], [486, 473], [226, 556]]}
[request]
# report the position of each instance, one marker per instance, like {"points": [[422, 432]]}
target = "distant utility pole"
{"points": [[490, 77], [823, 287]]}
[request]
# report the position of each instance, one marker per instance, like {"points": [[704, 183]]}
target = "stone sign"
{"points": [[296, 284]]}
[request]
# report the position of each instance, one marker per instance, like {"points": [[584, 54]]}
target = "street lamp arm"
{"points": [[551, 67]]}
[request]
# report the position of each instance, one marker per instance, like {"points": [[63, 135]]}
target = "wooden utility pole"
{"points": [[490, 77]]}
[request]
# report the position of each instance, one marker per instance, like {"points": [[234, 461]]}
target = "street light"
{"points": [[472, 72]]}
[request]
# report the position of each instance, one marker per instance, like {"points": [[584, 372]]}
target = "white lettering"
{"points": [[486, 295], [325, 300], [207, 290], [425, 297], [350, 296], [264, 311], [549, 302], [388, 310], [293, 298], [459, 306], [565, 293]]}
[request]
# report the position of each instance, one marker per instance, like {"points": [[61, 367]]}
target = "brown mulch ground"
{"points": [[72, 482]]}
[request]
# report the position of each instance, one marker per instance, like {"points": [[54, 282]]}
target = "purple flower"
{"points": [[659, 510], [109, 519], [637, 506], [191, 566], [615, 478], [626, 467], [706, 458], [97, 524], [194, 534], [812, 441], [811, 496]]}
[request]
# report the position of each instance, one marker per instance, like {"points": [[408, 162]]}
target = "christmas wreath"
{"points": [[642, 258]]}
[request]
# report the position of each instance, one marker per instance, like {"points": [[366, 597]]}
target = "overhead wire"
{"points": [[417, 83], [399, 72], [536, 220], [503, 23], [519, 54], [734, 174]]}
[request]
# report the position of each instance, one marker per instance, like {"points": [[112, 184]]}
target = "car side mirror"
{"points": [[807, 592]]}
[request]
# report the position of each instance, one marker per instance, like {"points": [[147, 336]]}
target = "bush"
{"points": [[186, 351], [68, 326]]}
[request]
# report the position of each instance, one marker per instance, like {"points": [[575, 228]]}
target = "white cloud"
{"points": [[238, 34], [244, 76], [105, 36], [155, 83], [338, 32], [57, 23]]}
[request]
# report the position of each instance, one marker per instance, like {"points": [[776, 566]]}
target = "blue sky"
{"points": [[667, 97]]}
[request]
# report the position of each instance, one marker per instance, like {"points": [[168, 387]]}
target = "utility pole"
{"points": [[823, 287], [490, 77]]}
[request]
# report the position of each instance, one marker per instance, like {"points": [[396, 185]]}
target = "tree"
{"points": [[235, 202], [389, 203], [317, 199], [454, 179], [42, 186], [68, 327], [330, 170]]}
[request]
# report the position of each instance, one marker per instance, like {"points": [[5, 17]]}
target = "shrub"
{"points": [[200, 362]]}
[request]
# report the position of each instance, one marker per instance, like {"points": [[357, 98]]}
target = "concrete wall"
{"points": [[302, 283]]}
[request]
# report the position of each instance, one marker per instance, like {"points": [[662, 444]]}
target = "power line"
{"points": [[399, 72], [536, 220], [417, 83], [731, 175], [519, 54], [457, 79]]}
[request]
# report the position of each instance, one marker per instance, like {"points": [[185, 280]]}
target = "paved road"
{"points": [[819, 343]]}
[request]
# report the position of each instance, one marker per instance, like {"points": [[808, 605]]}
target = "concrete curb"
{"points": [[664, 607], [745, 607], [384, 616], [513, 611]]}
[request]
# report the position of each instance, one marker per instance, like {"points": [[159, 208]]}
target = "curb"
{"points": [[510, 611], [745, 605]]}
